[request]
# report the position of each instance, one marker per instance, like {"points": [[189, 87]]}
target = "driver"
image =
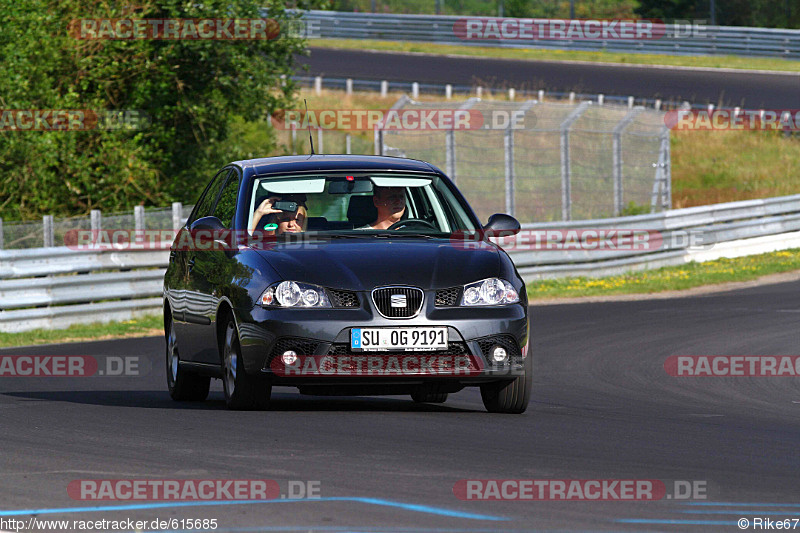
{"points": [[390, 203]]}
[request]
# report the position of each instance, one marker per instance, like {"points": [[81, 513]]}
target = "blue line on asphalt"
{"points": [[675, 522], [372, 501], [741, 504]]}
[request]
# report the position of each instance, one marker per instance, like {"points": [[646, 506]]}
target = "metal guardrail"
{"points": [[55, 287], [711, 40]]}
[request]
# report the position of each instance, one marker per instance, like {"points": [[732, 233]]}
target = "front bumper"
{"points": [[324, 335]]}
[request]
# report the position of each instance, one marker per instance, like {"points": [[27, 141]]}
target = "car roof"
{"points": [[326, 162]]}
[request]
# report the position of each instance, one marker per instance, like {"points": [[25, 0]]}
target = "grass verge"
{"points": [[139, 327], [670, 278], [531, 54]]}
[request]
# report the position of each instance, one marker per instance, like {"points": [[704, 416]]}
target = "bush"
{"points": [[191, 91]]}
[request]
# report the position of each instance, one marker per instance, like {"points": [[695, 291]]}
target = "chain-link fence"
{"points": [[52, 231], [553, 161]]}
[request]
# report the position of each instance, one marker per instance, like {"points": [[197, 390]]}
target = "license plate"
{"points": [[398, 339]]}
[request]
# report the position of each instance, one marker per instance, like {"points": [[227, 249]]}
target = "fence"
{"points": [[55, 287], [680, 39], [51, 231], [556, 161]]}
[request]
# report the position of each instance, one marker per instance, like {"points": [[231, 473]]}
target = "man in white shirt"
{"points": [[390, 203]]}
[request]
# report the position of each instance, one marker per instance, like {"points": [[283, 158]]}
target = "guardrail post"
{"points": [[448, 91], [347, 144], [294, 140], [348, 84], [600, 99], [450, 154], [1, 233], [95, 221], [667, 203], [512, 93], [320, 147], [508, 146], [659, 182], [479, 91], [657, 105], [566, 166], [384, 89], [415, 90], [138, 218], [616, 153], [571, 97], [47, 227], [177, 215], [318, 85], [541, 95], [630, 102], [378, 140]]}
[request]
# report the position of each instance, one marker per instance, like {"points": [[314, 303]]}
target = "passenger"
{"points": [[278, 221], [390, 203]]}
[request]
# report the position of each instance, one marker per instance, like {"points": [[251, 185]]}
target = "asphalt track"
{"points": [[603, 407], [745, 89]]}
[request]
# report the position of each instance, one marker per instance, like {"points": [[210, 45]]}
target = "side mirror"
{"points": [[207, 224], [500, 225], [220, 237]]}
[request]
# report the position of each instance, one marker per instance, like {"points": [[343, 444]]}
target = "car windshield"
{"points": [[359, 204]]}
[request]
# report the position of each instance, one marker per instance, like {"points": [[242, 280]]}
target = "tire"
{"points": [[183, 385], [428, 394], [243, 392], [510, 397]]}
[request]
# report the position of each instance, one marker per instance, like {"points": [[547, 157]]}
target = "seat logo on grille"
{"points": [[399, 300]]}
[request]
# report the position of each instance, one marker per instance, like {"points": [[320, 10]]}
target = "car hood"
{"points": [[363, 263]]}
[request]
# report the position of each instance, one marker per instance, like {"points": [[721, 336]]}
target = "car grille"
{"points": [[340, 298], [383, 301], [506, 341], [453, 348], [447, 297]]}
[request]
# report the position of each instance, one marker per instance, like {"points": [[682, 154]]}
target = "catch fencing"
{"points": [[550, 161]]}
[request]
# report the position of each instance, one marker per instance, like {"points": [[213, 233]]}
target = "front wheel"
{"points": [[510, 396], [242, 391], [182, 385]]}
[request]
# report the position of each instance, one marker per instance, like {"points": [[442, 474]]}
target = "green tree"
{"points": [[190, 90]]}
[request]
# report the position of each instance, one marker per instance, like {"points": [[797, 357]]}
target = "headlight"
{"points": [[492, 291], [294, 294]]}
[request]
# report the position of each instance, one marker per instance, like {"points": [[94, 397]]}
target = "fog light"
{"points": [[499, 354], [289, 357]]}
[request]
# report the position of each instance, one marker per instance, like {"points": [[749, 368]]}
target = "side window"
{"points": [[226, 205], [206, 203]]}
